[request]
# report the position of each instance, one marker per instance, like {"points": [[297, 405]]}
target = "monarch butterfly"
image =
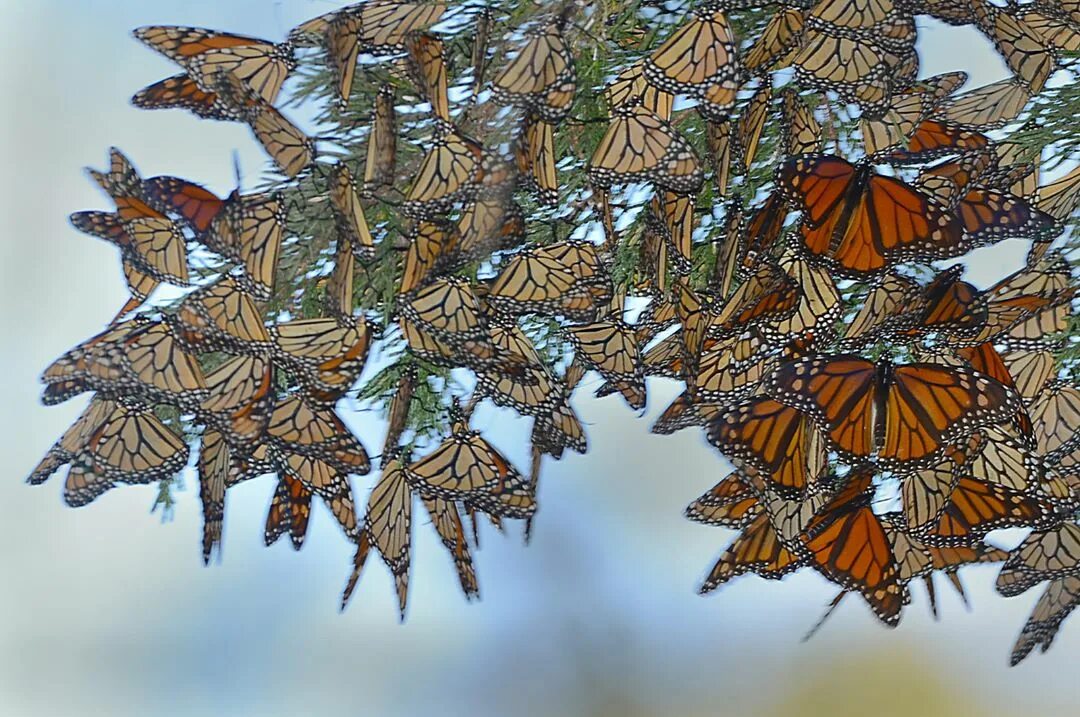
{"points": [[987, 107], [73, 440], [466, 467], [858, 70], [246, 229], [888, 296], [1032, 332], [325, 481], [261, 65], [479, 54], [777, 39], [729, 251], [112, 441], [731, 503], [675, 213], [611, 348], [388, 525], [136, 358], [152, 245], [1054, 416], [215, 465], [531, 395], [768, 295], [325, 355], [541, 76], [752, 124], [1059, 199], [779, 441], [339, 285], [1022, 48], [925, 493], [449, 172], [948, 306], [976, 507], [685, 411], [536, 159], [731, 368], [239, 400], [718, 137], [341, 40], [640, 145], [763, 229], [559, 428], [985, 359], [195, 205], [906, 111], [431, 248], [398, 413], [1030, 370], [383, 24], [630, 87], [426, 66], [220, 317], [819, 303], [448, 309], [287, 145], [859, 222], [447, 522], [382, 143], [1024, 294], [182, 92], [349, 217], [1050, 24], [799, 129], [1044, 555], [492, 222], [988, 216], [756, 549], [902, 414], [694, 324], [848, 545], [299, 427], [289, 512], [1059, 599], [535, 281], [699, 59]]}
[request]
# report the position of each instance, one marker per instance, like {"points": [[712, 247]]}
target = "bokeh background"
{"points": [[108, 611]]}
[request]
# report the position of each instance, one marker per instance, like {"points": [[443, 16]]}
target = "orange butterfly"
{"points": [[859, 222], [899, 413]]}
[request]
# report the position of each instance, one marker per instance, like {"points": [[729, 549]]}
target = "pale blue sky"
{"points": [[109, 612]]}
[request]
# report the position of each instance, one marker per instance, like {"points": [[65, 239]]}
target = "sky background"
{"points": [[107, 611]]}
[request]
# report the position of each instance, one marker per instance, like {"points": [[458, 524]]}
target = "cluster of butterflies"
{"points": [[824, 357]]}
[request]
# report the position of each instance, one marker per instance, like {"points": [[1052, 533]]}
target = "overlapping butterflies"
{"points": [[883, 415]]}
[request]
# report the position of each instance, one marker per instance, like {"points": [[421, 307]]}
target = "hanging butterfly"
{"points": [[220, 317], [859, 223], [848, 545], [325, 355], [134, 359], [426, 65], [381, 157], [784, 444], [640, 145], [349, 219], [450, 172], [540, 78], [291, 149], [699, 59], [902, 414], [112, 442]]}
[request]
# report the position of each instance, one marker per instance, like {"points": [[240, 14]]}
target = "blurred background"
{"points": [[109, 611]]}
